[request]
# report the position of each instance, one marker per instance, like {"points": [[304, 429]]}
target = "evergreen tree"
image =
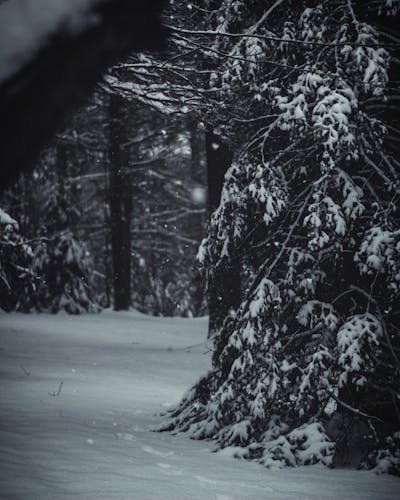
{"points": [[310, 206], [17, 280], [60, 259], [65, 267]]}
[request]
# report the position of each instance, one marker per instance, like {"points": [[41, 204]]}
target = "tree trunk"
{"points": [[196, 224], [120, 208], [223, 289]]}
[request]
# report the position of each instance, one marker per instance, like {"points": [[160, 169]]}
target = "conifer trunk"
{"points": [[197, 176], [223, 287], [120, 209]]}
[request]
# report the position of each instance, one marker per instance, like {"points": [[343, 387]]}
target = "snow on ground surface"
{"points": [[80, 394]]}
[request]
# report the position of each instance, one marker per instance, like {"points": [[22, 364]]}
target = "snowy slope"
{"points": [[79, 395]]}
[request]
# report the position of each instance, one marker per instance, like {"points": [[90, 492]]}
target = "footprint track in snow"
{"points": [[203, 479], [152, 451], [168, 470], [126, 436]]}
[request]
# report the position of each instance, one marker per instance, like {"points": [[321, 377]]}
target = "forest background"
{"points": [[284, 113]]}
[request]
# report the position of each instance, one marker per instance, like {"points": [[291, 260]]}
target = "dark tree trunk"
{"points": [[58, 219], [197, 148], [196, 224], [120, 208], [219, 159], [223, 289]]}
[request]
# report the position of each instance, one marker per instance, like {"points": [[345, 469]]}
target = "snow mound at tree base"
{"points": [[386, 458], [342, 440]]}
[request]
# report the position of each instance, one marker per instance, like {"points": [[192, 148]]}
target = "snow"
{"points": [[6, 220], [199, 195], [25, 25], [358, 343], [80, 394]]}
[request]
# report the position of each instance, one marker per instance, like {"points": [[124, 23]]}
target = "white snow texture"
{"points": [[79, 396]]}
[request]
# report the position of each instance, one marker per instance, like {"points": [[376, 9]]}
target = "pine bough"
{"points": [[308, 211]]}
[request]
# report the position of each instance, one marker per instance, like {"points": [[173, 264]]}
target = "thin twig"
{"points": [[58, 392], [354, 410], [26, 372]]}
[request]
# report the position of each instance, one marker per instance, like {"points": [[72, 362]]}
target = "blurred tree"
{"points": [[49, 66], [17, 279]]}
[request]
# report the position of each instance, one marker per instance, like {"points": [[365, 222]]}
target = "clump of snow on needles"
{"points": [[7, 220]]}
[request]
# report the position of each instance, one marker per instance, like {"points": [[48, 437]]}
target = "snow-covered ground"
{"points": [[79, 396]]}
